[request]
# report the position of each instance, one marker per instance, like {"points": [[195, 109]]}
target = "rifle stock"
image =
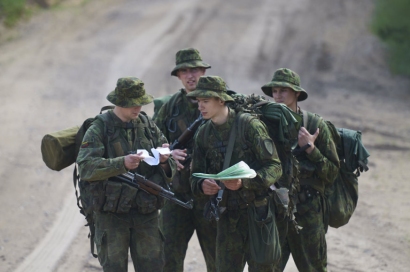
{"points": [[140, 182], [187, 135]]}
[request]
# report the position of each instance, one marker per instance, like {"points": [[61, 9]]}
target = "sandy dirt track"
{"points": [[57, 69]]}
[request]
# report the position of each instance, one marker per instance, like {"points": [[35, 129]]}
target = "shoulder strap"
{"points": [[311, 121]]}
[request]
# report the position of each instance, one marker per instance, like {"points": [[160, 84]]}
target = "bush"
{"points": [[391, 23], [12, 10]]}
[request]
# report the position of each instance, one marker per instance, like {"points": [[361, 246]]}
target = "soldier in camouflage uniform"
{"points": [[178, 224], [256, 149], [125, 217], [318, 167]]}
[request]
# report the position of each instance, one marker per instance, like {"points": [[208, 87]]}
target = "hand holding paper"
{"points": [[155, 152]]}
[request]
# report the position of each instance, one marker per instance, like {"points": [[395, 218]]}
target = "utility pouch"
{"points": [[263, 234], [146, 203], [281, 198], [128, 194], [97, 194], [112, 194]]}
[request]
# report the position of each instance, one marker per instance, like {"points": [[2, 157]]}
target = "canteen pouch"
{"points": [[127, 197], [146, 203], [112, 196], [263, 234]]}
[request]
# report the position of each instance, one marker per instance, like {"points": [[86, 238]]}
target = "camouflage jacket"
{"points": [[319, 168], [257, 150], [109, 140], [173, 119]]}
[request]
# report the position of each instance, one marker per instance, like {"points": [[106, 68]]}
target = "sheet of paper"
{"points": [[237, 171]]}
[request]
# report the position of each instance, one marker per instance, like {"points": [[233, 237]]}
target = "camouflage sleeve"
{"points": [[198, 164], [325, 155], [91, 163], [161, 118], [265, 152], [171, 162]]}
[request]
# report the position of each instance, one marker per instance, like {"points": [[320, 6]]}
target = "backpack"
{"points": [[342, 196], [283, 127], [60, 150]]}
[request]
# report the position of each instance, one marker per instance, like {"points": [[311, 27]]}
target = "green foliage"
{"points": [[391, 23], [12, 10]]}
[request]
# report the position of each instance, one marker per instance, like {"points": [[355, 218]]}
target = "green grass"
{"points": [[11, 11], [391, 23]]}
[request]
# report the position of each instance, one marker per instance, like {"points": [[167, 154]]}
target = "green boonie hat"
{"points": [[284, 77], [188, 58], [130, 92], [211, 86]]}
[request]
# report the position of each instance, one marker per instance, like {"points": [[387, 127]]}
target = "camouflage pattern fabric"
{"points": [[317, 170], [211, 86], [139, 233], [284, 77], [188, 58], [178, 224], [101, 156], [130, 92], [260, 154]]}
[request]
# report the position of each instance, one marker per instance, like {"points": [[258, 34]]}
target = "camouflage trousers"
{"points": [[115, 234], [232, 244], [178, 225], [308, 247]]}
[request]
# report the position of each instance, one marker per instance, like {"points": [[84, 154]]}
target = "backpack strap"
{"points": [[311, 121]]}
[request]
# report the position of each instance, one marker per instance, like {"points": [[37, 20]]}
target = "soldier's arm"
{"points": [[91, 163], [161, 119], [265, 152], [324, 156]]}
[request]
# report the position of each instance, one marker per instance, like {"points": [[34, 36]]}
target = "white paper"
{"points": [[156, 152]]}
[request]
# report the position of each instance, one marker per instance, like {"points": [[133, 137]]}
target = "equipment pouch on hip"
{"points": [[98, 195], [281, 198], [263, 234], [112, 194], [128, 194], [146, 203]]}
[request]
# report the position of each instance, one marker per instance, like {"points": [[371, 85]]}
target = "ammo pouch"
{"points": [[263, 233], [146, 203]]}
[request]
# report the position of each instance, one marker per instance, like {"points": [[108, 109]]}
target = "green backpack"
{"points": [[342, 196]]}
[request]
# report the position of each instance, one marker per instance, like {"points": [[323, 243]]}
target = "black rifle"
{"points": [[140, 182]]}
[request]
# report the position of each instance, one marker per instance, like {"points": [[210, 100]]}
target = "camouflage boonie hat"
{"points": [[284, 77], [188, 58], [211, 86], [130, 92]]}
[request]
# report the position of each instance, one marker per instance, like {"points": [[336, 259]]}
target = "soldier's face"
{"points": [[210, 108], [190, 76], [128, 114], [285, 95]]}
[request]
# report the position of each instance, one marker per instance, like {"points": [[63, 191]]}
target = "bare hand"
{"points": [[233, 184], [305, 137], [179, 156], [163, 158], [132, 161], [210, 187]]}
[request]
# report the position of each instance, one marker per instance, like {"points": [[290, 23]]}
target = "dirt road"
{"points": [[56, 70]]}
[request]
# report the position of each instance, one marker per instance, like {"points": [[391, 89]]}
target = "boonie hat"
{"points": [[188, 58], [211, 86], [284, 77], [130, 92]]}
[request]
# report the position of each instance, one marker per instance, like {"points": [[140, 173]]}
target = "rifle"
{"points": [[187, 135], [140, 182]]}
